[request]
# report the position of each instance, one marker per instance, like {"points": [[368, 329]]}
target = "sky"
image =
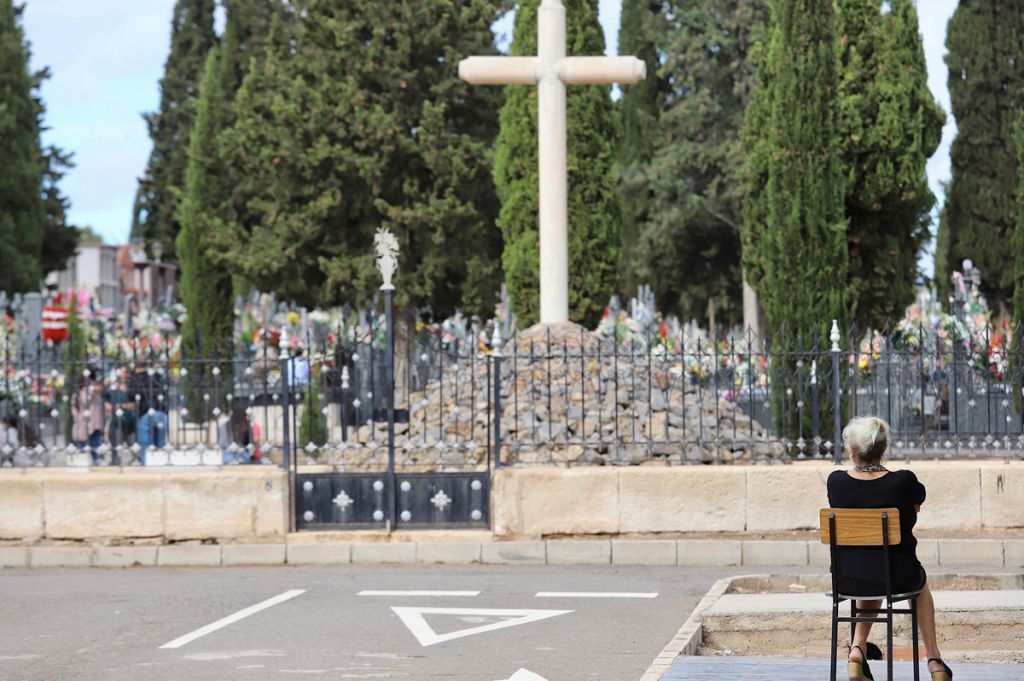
{"points": [[107, 56]]}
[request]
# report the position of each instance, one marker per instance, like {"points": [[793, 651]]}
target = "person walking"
{"points": [[869, 484]]}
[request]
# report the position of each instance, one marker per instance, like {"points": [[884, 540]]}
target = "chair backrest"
{"points": [[860, 526]]}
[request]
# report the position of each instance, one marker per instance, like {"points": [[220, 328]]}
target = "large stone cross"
{"points": [[551, 70]]}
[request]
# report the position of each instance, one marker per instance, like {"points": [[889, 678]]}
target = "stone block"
{"points": [[682, 499], [319, 554], [1002, 496], [582, 552], [459, 554], [533, 502], [818, 554], [13, 556], [271, 504], [785, 498], [125, 556], [1013, 553], [709, 552], [188, 555], [515, 552], [60, 556], [90, 505], [643, 552], [384, 553], [253, 554], [970, 553], [21, 506], [954, 497], [214, 504], [928, 552], [781, 552]]}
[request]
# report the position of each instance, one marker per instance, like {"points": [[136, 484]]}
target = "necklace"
{"points": [[870, 468]]}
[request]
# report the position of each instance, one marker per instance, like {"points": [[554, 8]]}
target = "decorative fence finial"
{"points": [[387, 256], [834, 336]]}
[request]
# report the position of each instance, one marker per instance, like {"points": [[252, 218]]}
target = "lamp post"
{"points": [[387, 263]]}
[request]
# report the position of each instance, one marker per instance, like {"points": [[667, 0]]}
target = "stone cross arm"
{"points": [[570, 70]]}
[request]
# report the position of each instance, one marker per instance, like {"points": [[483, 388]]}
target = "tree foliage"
{"points": [[985, 43], [888, 125], [594, 208], [158, 195], [356, 119], [690, 238], [205, 287], [795, 229]]}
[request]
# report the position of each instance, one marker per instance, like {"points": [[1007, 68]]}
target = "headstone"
{"points": [[30, 324]]}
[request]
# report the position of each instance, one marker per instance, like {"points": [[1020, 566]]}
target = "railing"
{"points": [[564, 398]]}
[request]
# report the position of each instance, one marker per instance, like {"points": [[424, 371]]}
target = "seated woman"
{"points": [[868, 484]]}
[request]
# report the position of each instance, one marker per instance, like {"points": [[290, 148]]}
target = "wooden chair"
{"points": [[867, 527]]}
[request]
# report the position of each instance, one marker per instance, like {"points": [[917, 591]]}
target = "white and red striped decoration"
{"points": [[55, 323]]}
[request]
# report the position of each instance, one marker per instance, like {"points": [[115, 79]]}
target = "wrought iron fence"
{"points": [[565, 398]]}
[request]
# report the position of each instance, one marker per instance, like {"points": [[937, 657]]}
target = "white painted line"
{"points": [[231, 619], [466, 594], [414, 619], [525, 675], [594, 594]]}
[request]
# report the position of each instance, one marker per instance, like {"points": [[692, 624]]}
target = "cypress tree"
{"points": [[205, 287], [889, 125], [1017, 250], [156, 204], [690, 243], [800, 246], [357, 119], [21, 207], [60, 240], [594, 209], [643, 33], [312, 423], [985, 43]]}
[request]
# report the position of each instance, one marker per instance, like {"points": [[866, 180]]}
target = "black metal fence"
{"points": [[469, 402]]}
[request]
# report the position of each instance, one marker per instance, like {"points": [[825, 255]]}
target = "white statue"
{"points": [[387, 256]]}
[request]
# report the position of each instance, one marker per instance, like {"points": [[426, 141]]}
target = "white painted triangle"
{"points": [[414, 619], [525, 675]]}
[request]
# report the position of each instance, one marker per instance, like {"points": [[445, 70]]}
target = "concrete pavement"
{"points": [[596, 623]]}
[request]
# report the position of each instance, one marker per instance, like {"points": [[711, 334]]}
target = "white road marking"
{"points": [[414, 619], [231, 619], [524, 675], [594, 594], [467, 594]]}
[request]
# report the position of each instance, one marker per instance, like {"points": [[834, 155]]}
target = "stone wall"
{"points": [[963, 498], [143, 505]]}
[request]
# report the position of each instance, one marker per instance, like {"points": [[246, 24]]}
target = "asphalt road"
{"points": [[110, 625]]}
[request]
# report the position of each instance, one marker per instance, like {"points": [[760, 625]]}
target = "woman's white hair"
{"points": [[867, 437]]}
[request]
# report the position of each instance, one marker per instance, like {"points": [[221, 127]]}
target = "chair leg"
{"points": [[913, 625], [853, 625], [888, 638], [835, 636]]}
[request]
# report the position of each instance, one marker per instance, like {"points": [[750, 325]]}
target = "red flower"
{"points": [[663, 330], [607, 313]]}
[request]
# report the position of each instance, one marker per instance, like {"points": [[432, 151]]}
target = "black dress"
{"points": [[859, 568]]}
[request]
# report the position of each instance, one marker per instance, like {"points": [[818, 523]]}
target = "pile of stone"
{"points": [[567, 399]]}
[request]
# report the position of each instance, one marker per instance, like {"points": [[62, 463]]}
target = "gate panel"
{"points": [[443, 500], [330, 500]]}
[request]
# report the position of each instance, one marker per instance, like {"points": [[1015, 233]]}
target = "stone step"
{"points": [[969, 623]]}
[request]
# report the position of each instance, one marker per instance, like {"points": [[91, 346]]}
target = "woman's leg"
{"points": [[861, 631], [926, 624]]}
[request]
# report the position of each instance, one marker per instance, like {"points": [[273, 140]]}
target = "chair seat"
{"points": [[895, 597]]}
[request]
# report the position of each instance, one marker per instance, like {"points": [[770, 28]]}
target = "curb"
{"points": [[946, 553]]}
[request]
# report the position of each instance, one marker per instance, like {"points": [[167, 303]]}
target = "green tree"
{"points": [[74, 362], [21, 206], [594, 208], [60, 240], [795, 226], [205, 286], [643, 33], [246, 30], [985, 41], [356, 119], [889, 125], [1017, 249], [156, 201], [313, 422], [690, 238]]}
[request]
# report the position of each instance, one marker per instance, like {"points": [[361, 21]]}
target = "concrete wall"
{"points": [[249, 504], [238, 504], [963, 498]]}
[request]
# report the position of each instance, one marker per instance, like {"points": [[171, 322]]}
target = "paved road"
{"points": [[109, 625]]}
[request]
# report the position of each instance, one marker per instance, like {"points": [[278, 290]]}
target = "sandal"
{"points": [[859, 671], [945, 675]]}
